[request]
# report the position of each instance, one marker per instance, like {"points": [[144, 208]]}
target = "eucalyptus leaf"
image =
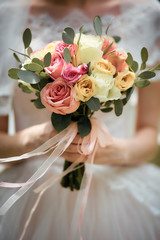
{"points": [[16, 57], [27, 37], [25, 55], [24, 88], [118, 107], [28, 76], [109, 109], [108, 103], [13, 73], [93, 103], [116, 38], [80, 33], [106, 32], [29, 50], [97, 23], [60, 122], [89, 69], [156, 68], [135, 66], [128, 95], [68, 35], [142, 83], [38, 61], [47, 59], [38, 104], [129, 59], [107, 49], [84, 126], [147, 75], [143, 66], [67, 55], [34, 67], [144, 55], [44, 75]]}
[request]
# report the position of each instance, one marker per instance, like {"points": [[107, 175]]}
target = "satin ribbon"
{"points": [[60, 142]]}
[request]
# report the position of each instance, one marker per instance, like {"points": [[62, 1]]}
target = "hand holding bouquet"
{"points": [[77, 76]]}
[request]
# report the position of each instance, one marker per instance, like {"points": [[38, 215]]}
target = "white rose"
{"points": [[114, 93], [89, 48], [103, 82]]}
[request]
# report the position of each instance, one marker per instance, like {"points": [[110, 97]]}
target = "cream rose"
{"points": [[125, 80], [89, 48], [103, 66], [84, 88]]}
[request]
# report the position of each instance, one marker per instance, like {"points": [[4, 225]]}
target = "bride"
{"points": [[124, 197]]}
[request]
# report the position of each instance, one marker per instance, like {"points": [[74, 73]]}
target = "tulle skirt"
{"points": [[123, 204]]}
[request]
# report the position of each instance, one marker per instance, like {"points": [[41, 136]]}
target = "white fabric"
{"points": [[124, 203]]}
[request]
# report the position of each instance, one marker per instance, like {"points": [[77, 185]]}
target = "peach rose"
{"points": [[60, 47], [84, 88], [106, 43], [55, 69], [125, 80], [58, 97]]}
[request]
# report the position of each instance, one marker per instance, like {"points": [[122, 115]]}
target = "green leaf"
{"points": [[97, 23], [129, 59], [67, 55], [106, 32], [80, 33], [38, 61], [143, 66], [108, 103], [144, 55], [84, 126], [147, 75], [118, 107], [13, 73], [128, 95], [47, 59], [116, 38], [135, 66], [68, 35], [142, 83], [109, 109], [156, 68], [28, 76], [25, 55], [107, 49], [16, 57], [29, 50], [24, 88], [93, 103], [38, 104], [44, 75], [34, 67], [89, 69], [27, 37], [60, 122]]}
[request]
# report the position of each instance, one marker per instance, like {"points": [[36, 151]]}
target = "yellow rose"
{"points": [[38, 54], [51, 46], [125, 80], [84, 88], [103, 66]]}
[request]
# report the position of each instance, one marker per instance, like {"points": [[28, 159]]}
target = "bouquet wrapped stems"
{"points": [[73, 179]]}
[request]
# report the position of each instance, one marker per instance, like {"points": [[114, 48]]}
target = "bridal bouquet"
{"points": [[77, 76]]}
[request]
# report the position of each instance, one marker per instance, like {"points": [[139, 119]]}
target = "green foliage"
{"points": [[141, 83], [80, 33], [60, 122], [24, 88], [29, 50], [129, 59], [84, 126], [47, 59], [38, 61], [89, 69], [28, 76], [134, 66], [67, 55], [34, 67], [93, 103], [118, 107], [25, 55], [156, 68], [13, 73], [97, 23], [106, 32], [147, 75], [116, 38], [38, 104], [27, 37], [16, 57], [109, 109], [107, 49], [128, 95], [68, 35], [144, 57]]}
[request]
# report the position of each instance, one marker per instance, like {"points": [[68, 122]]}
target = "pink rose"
{"points": [[60, 47], [71, 74], [118, 59], [59, 97], [55, 69], [106, 43]]}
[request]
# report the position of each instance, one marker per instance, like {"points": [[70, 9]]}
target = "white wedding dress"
{"points": [[123, 202]]}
